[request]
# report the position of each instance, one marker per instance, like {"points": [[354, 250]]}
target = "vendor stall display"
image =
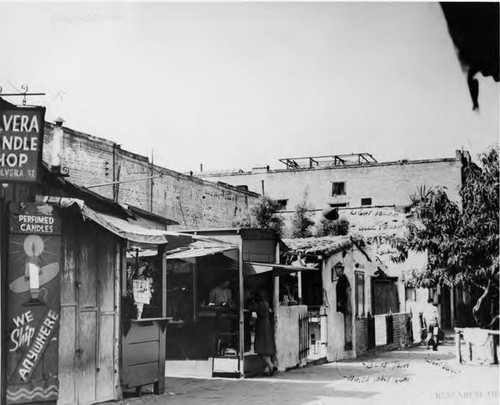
{"points": [[143, 319], [218, 337], [203, 301]]}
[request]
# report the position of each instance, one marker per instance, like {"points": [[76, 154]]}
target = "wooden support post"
{"points": [[276, 294], [452, 306], [159, 387], [458, 347], [241, 324], [276, 298], [120, 274], [299, 287], [163, 268], [195, 289], [276, 291]]}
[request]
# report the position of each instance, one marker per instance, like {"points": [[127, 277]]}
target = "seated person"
{"points": [[221, 295]]}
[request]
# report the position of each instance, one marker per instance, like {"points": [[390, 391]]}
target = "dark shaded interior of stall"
{"points": [[199, 329], [196, 323]]}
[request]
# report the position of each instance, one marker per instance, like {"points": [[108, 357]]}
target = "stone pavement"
{"points": [[413, 376]]}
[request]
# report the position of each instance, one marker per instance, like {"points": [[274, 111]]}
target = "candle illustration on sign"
{"points": [[32, 267], [35, 275]]}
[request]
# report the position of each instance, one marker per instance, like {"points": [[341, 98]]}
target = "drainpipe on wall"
{"points": [[152, 182], [115, 186]]}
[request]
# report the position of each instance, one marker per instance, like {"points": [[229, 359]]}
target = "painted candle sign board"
{"points": [[21, 142], [33, 303]]}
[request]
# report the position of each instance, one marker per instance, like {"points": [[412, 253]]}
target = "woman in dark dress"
{"points": [[264, 336]]}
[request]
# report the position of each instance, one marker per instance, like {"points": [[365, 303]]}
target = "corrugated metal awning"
{"points": [[193, 253], [128, 229], [252, 268], [141, 253]]}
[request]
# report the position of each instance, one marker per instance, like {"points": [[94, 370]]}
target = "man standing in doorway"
{"points": [[431, 320]]}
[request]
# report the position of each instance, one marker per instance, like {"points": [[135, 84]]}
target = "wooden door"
{"points": [[107, 349], [96, 352], [89, 344], [344, 305], [67, 328], [87, 325], [384, 296]]}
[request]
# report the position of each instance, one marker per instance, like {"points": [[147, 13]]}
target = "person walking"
{"points": [[264, 336], [431, 319]]}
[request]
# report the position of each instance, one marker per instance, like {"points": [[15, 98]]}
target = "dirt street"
{"points": [[414, 376]]}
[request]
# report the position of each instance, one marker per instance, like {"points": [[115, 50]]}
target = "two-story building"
{"points": [[374, 197]]}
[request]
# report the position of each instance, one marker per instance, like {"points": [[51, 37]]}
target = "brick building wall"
{"points": [[193, 202], [401, 336], [361, 333]]}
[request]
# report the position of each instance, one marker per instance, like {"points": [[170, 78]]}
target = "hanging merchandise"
{"points": [[142, 293]]}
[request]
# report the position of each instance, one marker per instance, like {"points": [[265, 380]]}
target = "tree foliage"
{"points": [[302, 222], [328, 227], [462, 242], [264, 214]]}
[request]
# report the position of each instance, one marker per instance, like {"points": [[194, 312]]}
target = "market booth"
{"points": [[203, 335], [80, 322], [290, 315], [104, 342], [89, 281], [206, 339]]}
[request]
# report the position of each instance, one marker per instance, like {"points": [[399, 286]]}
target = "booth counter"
{"points": [[143, 353], [143, 320]]}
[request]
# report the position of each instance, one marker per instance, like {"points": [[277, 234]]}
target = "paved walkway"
{"points": [[414, 376]]}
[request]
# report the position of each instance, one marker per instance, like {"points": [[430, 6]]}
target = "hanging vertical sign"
{"points": [[21, 143], [33, 303]]}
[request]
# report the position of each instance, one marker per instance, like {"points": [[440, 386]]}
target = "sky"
{"points": [[238, 85]]}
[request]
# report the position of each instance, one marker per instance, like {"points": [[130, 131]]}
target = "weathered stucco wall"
{"points": [[386, 183], [353, 261]]}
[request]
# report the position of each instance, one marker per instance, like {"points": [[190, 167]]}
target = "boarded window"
{"points": [[338, 188]]}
